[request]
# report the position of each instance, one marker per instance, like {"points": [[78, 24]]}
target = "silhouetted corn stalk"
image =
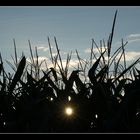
{"points": [[106, 99]]}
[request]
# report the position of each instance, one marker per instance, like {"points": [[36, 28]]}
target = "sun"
{"points": [[68, 111]]}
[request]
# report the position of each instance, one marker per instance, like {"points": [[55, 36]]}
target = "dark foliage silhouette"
{"points": [[55, 100]]}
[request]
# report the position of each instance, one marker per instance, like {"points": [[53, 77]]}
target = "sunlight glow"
{"points": [[68, 111]]}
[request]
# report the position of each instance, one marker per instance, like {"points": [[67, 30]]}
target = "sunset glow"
{"points": [[68, 111]]}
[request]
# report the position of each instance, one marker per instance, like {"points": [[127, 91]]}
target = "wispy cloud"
{"points": [[73, 63], [130, 55], [43, 47], [40, 58], [87, 50], [133, 38], [95, 50], [62, 53]]}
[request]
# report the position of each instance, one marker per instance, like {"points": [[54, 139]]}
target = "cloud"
{"points": [[54, 54], [43, 47], [44, 60], [130, 56], [73, 63], [62, 53], [40, 58], [95, 50], [133, 38], [87, 50]]}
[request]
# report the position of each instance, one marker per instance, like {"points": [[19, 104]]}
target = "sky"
{"points": [[73, 26]]}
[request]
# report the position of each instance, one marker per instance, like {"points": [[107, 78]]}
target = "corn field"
{"points": [[101, 94]]}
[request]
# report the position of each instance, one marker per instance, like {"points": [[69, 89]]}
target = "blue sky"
{"points": [[73, 26]]}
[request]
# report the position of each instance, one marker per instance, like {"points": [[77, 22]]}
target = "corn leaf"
{"points": [[18, 74]]}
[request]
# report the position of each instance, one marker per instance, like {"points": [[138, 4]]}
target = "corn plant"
{"points": [[97, 96]]}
